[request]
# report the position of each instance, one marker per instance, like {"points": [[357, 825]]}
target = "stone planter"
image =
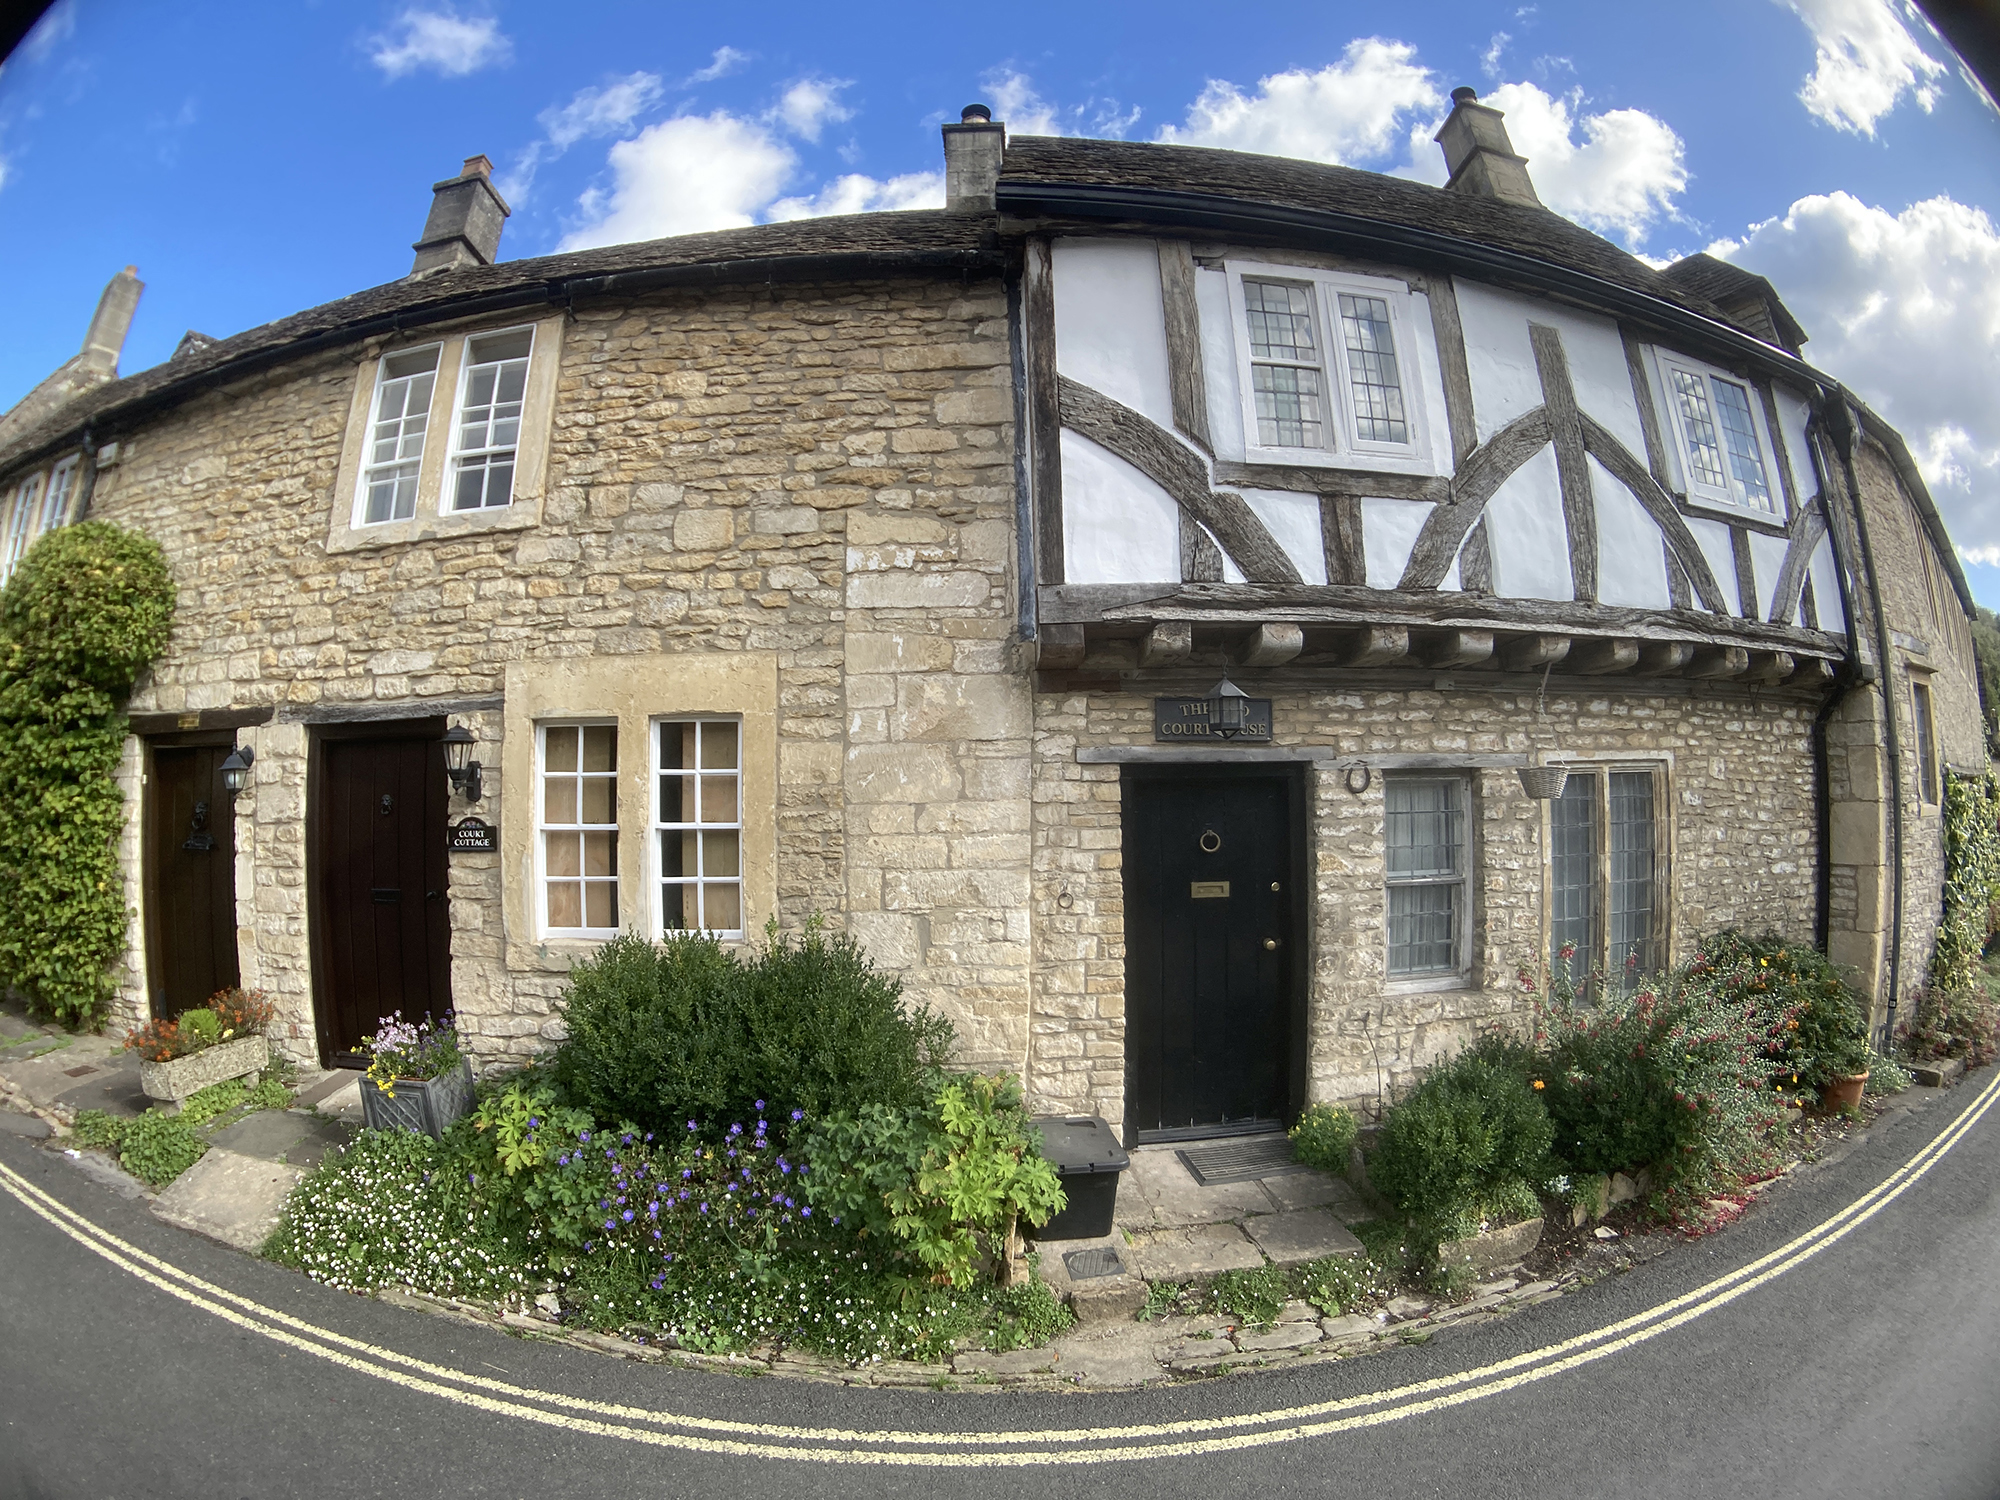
{"points": [[1483, 1254], [1841, 1094], [172, 1081], [425, 1105]]}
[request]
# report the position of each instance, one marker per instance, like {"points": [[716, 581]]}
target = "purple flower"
{"points": [[809, 1213], [760, 1106], [583, 1135], [704, 1208], [533, 1123], [783, 1165], [798, 1114], [687, 1172], [736, 1130], [690, 1124], [626, 1216]]}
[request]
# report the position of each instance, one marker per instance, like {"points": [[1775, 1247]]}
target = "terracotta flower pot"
{"points": [[1842, 1093]]}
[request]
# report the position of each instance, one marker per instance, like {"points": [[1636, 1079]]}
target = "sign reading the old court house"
{"points": [[471, 836], [1177, 720]]}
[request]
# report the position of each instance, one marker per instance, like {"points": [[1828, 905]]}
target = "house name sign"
{"points": [[471, 836], [1178, 720]]}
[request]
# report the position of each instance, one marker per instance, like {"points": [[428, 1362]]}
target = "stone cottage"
{"points": [[1150, 602]]}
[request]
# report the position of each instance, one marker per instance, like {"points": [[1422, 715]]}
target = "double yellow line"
{"points": [[1081, 1445]]}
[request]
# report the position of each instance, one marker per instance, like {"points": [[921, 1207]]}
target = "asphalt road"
{"points": [[1842, 1340]]}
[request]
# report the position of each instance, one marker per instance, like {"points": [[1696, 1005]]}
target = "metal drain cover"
{"points": [[1087, 1265], [78, 1072], [1240, 1161]]}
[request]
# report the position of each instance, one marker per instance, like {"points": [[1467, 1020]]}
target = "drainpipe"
{"points": [[1024, 508], [86, 479], [1850, 676], [1842, 428]]}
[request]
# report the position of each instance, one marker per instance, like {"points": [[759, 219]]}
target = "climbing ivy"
{"points": [[1971, 880], [88, 609]]}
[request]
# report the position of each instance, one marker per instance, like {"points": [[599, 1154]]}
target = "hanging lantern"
{"points": [[1228, 710]]}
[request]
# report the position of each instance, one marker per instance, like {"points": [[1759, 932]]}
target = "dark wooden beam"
{"points": [[1746, 572], [1453, 648], [1663, 658], [1572, 466], [1201, 559], [1478, 477], [1271, 645], [1341, 537], [1184, 373], [1167, 644], [1595, 658], [1038, 313], [1813, 671], [1770, 666], [202, 720], [1719, 661], [1061, 647], [1780, 453], [1649, 414], [1362, 484], [1530, 653], [1618, 461], [1475, 561], [1808, 526], [1452, 366], [1374, 646]]}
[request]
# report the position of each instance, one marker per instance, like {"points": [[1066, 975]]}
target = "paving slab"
{"points": [[1307, 1190], [284, 1135], [1283, 1336], [344, 1103], [1354, 1328], [1198, 1251], [1115, 1354], [229, 1197], [1305, 1234], [1014, 1362], [1108, 1299], [31, 1126], [315, 1087], [1158, 1192], [1051, 1262]]}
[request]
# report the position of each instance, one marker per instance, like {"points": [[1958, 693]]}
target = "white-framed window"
{"points": [[487, 427], [698, 824], [576, 833], [1720, 440], [1606, 873], [1327, 368], [55, 504], [398, 428], [1927, 764], [1426, 858]]}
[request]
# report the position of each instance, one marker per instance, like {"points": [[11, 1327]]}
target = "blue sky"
{"points": [[255, 159]]}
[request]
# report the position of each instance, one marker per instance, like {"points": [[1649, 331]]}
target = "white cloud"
{"points": [[600, 111], [57, 25], [1489, 60], [1349, 111], [1906, 309], [1865, 61], [452, 44], [714, 171], [810, 105], [725, 61], [1015, 103], [857, 194]]}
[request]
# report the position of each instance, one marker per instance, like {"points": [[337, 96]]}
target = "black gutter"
{"points": [[1848, 676], [1024, 505], [1384, 240], [770, 270]]}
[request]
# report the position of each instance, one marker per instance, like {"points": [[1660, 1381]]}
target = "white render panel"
{"points": [[1218, 363], [1826, 588], [1631, 555], [1714, 539], [1502, 362], [1389, 530], [1792, 413], [1111, 325], [1526, 535], [1767, 556], [1118, 526], [1293, 521]]}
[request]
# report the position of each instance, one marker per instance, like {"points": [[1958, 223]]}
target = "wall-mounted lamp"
{"points": [[1228, 710], [236, 769], [465, 772]]}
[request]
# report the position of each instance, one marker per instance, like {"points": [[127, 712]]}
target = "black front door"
{"points": [[381, 921], [1212, 886], [190, 876]]}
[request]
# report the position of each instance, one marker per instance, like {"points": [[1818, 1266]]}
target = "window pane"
{"points": [[1634, 888], [413, 362], [1423, 928], [600, 853], [718, 747], [565, 904], [1746, 462], [1372, 372], [1280, 321], [1288, 410], [720, 853], [600, 747], [559, 800], [701, 855], [675, 740], [1425, 832], [722, 907], [600, 904], [1704, 454], [718, 799], [600, 800], [499, 346], [677, 854], [674, 901], [56, 507], [564, 853], [1926, 748], [1573, 872], [677, 799], [561, 748]]}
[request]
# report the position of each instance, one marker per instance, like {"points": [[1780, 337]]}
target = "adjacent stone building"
{"points": [[1137, 600]]}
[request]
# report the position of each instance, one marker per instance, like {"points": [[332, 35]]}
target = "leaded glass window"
{"points": [[489, 419], [1286, 364], [396, 436], [699, 825], [1573, 895], [1372, 374], [1927, 767], [21, 524], [1425, 855], [1719, 438], [1746, 462], [1606, 878], [55, 505], [1634, 870], [578, 817]]}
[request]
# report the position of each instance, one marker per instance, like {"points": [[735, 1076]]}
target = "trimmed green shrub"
{"points": [[1826, 1033], [1472, 1127], [157, 1148], [1323, 1137]]}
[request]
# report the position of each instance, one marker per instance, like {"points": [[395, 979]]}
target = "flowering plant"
{"points": [[229, 1014], [410, 1051]]}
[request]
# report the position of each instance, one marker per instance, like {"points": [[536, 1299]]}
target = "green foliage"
{"points": [[1952, 1023], [87, 610], [1255, 1297], [661, 1034], [157, 1148], [203, 1027], [1026, 1316], [219, 1098], [96, 1130], [1323, 1137], [1986, 652], [1339, 1284], [1971, 878], [1472, 1126], [1886, 1075]]}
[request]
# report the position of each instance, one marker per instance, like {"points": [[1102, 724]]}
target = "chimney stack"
{"points": [[467, 215], [1479, 156], [973, 151], [112, 321]]}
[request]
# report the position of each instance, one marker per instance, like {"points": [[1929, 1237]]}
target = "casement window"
{"points": [[1927, 765], [403, 390], [55, 504], [22, 520], [577, 829], [1326, 369], [1725, 453], [1605, 896], [1426, 860], [698, 825], [489, 419]]}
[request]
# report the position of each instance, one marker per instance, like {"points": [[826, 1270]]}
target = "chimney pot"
{"points": [[974, 149], [467, 215], [105, 339], [1478, 154]]}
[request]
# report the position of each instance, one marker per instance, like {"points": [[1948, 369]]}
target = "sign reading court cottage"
{"points": [[1178, 720]]}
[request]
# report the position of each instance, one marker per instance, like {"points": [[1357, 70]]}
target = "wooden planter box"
{"points": [[172, 1081], [425, 1105]]}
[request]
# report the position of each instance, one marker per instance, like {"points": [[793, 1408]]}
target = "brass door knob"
{"points": [[1269, 944]]}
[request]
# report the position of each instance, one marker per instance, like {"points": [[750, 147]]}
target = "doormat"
{"points": [[1087, 1265], [1240, 1161]]}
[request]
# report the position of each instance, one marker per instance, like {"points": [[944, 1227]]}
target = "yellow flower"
{"points": [[1538, 1083]]}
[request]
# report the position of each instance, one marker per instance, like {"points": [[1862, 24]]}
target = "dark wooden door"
{"points": [[381, 919], [1210, 954], [190, 878]]}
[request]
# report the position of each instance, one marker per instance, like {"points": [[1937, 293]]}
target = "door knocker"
{"points": [[1210, 841], [199, 839], [388, 804]]}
